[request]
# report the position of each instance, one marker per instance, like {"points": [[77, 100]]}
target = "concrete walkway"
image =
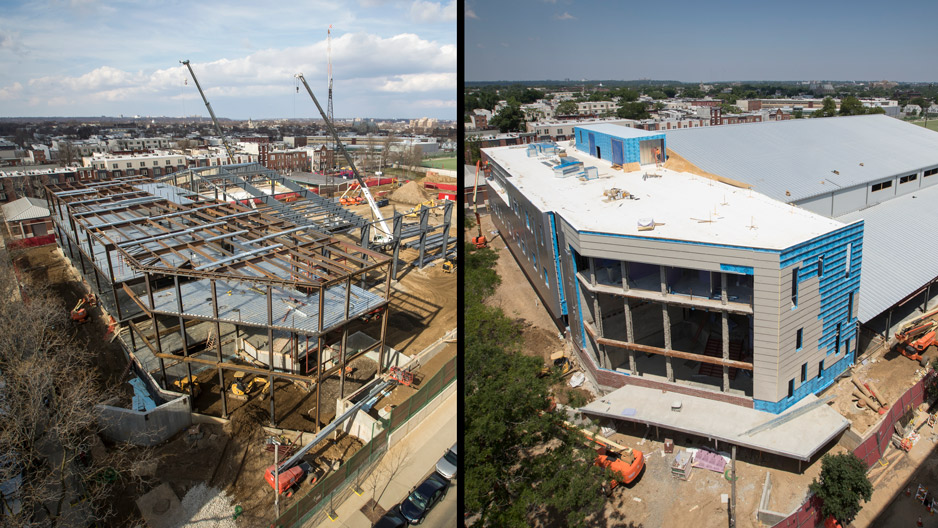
{"points": [[403, 466]]}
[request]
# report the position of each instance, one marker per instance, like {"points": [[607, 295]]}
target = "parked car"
{"points": [[447, 464], [423, 498], [392, 519]]}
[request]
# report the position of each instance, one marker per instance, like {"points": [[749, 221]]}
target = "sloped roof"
{"points": [[26, 208], [897, 260], [800, 155]]}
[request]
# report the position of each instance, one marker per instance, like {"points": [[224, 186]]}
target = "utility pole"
{"points": [[277, 479], [733, 496]]}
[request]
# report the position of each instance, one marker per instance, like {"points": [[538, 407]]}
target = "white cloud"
{"points": [[423, 11], [471, 14], [11, 92], [436, 103], [564, 16], [421, 82], [367, 67]]}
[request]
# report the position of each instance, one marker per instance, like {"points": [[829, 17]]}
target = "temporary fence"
{"points": [[35, 241], [337, 486]]}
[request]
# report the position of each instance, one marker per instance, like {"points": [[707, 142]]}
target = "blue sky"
{"points": [[391, 58], [701, 41]]}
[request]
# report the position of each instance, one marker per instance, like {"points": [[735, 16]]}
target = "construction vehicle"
{"points": [[383, 236], [478, 241], [187, 383], [449, 266], [79, 313], [625, 463], [370, 316], [429, 204], [287, 475], [242, 390], [210, 112], [914, 338], [404, 377], [561, 364]]}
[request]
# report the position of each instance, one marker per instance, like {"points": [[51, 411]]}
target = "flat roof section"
{"points": [[799, 438], [619, 130], [684, 207]]}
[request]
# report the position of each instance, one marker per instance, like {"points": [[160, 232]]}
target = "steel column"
{"points": [[221, 373]]}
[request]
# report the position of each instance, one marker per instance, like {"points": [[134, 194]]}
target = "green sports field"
{"points": [[932, 124], [445, 163]]}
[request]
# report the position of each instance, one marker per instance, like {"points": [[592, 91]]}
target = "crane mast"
{"points": [[386, 236], [329, 55], [210, 111]]}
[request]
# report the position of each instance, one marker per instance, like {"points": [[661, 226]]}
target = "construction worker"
{"points": [[657, 156]]}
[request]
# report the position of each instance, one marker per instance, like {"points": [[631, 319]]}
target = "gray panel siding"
{"points": [[821, 205], [848, 200], [527, 230]]}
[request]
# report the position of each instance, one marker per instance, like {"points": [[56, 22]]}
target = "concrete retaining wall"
{"points": [[145, 428], [765, 515]]}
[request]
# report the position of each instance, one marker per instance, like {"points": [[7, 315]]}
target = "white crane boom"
{"points": [[210, 112], [386, 236]]}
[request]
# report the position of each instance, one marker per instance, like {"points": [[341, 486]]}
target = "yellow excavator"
{"points": [[449, 266], [429, 204], [242, 390], [183, 385]]}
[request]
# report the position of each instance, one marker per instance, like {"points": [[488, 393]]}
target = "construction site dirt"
{"points": [[233, 455]]}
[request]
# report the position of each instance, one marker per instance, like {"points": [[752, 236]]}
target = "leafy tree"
{"points": [[657, 94], [842, 486], [799, 114], [521, 462], [567, 108], [876, 110], [920, 101], [692, 92], [600, 96], [669, 91], [727, 108], [850, 105], [828, 108], [625, 95], [632, 111], [509, 119]]}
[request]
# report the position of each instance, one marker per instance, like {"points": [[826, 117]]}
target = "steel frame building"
{"points": [[200, 283]]}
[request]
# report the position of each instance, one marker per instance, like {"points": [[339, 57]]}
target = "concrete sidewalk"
{"points": [[407, 462]]}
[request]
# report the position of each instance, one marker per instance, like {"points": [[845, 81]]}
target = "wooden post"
{"points": [[733, 496], [666, 321]]}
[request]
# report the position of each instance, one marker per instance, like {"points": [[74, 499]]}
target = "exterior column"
{"points": [[628, 316], [723, 295], [666, 322], [592, 272], [270, 347], [601, 355], [221, 372], [726, 349], [629, 335]]}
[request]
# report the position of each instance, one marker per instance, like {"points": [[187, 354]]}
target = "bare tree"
{"points": [[68, 153], [386, 145], [48, 392], [390, 465]]}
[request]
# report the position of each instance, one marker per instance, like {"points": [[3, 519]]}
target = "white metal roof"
{"points": [[683, 206], [899, 253], [800, 155], [26, 208]]}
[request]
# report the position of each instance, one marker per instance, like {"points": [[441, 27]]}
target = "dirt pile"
{"points": [[433, 177], [410, 193]]}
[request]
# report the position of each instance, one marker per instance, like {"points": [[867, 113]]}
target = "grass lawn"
{"points": [[441, 163], [932, 124]]}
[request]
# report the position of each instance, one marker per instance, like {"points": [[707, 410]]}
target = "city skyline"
{"points": [[691, 42], [86, 58]]}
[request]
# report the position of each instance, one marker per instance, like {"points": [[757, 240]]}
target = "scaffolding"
{"points": [[199, 283]]}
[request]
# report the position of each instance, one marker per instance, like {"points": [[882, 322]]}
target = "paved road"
{"points": [[443, 515]]}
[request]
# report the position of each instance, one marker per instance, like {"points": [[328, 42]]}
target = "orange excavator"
{"points": [[79, 313], [914, 338], [625, 463], [479, 241]]}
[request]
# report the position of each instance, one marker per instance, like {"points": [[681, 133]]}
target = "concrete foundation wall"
{"points": [[145, 428]]}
